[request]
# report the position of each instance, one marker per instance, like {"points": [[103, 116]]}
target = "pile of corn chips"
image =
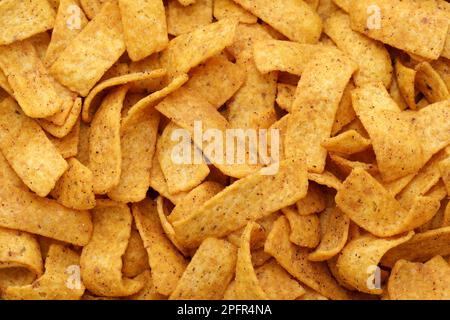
{"points": [[352, 96]]}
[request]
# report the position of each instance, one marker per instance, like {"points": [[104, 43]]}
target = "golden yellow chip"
{"points": [[180, 175], [28, 150], [183, 19], [246, 286], [92, 7], [425, 179], [360, 255], [372, 57], [166, 262], [20, 250], [70, 20], [9, 176], [148, 292], [397, 96], [325, 178], [144, 27], [75, 188], [418, 27], [92, 52], [217, 216], [137, 145], [23, 210], [69, 124], [334, 228], [430, 83], [294, 19], [209, 272], [420, 281], [186, 108], [60, 281], [246, 36], [216, 80], [228, 9], [345, 166], [116, 81], [101, 258], [421, 247], [159, 183], [347, 142], [277, 283], [444, 167], [432, 125], [305, 230], [32, 86], [295, 260], [370, 206], [105, 155], [285, 96], [188, 50], [22, 19], [135, 259], [196, 197], [406, 82], [287, 56], [253, 104], [395, 141], [318, 94]]}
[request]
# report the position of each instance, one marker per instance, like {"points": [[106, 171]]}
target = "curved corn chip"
{"points": [[246, 282], [148, 292], [196, 197], [346, 166], [296, 20], [217, 216], [30, 18], [138, 140], [417, 281], [313, 202], [166, 263], [370, 206], [101, 258], [158, 183], [92, 52], [64, 29], [20, 250], [167, 227], [348, 142], [317, 98], [421, 247], [305, 229], [59, 282], [66, 128], [372, 57], [429, 82], [105, 154], [408, 34], [406, 80], [179, 176], [395, 141], [135, 259], [183, 19], [21, 139], [355, 260], [148, 34], [209, 272], [334, 227], [285, 96], [32, 86], [184, 53], [278, 55], [14, 277], [87, 114], [325, 178], [228, 9], [295, 260], [75, 188], [9, 176], [245, 37]]}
